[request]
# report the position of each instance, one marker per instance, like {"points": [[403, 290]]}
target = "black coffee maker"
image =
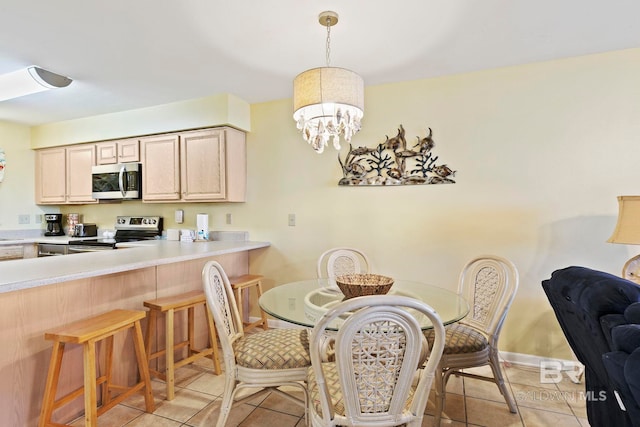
{"points": [[54, 225]]}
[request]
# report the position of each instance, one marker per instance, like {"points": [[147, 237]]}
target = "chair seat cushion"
{"points": [[274, 349], [460, 339], [333, 384]]}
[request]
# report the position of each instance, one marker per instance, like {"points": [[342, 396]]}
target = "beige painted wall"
{"points": [[541, 152], [17, 190], [216, 110]]}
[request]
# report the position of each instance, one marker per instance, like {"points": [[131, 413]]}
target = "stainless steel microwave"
{"points": [[121, 181]]}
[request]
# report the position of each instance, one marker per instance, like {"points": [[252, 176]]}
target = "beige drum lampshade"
{"points": [[318, 86], [627, 229]]}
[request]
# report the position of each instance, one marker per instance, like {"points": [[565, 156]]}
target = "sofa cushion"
{"points": [[610, 321], [632, 313], [626, 338], [631, 369]]}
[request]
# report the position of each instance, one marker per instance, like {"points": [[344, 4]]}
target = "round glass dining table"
{"points": [[304, 302]]}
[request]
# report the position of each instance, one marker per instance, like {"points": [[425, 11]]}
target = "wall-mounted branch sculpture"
{"points": [[392, 163]]}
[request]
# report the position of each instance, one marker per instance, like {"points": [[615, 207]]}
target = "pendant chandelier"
{"points": [[328, 101]]}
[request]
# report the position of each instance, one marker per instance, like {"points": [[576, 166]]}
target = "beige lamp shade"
{"points": [[328, 104], [328, 85], [627, 229]]}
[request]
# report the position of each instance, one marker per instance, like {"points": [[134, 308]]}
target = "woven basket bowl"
{"points": [[356, 285]]}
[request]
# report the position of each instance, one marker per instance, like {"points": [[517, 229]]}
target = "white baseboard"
{"points": [[532, 360]]}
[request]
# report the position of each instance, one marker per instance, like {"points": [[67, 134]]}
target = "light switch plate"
{"points": [[179, 216]]}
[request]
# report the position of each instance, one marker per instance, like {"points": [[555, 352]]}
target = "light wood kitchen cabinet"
{"points": [[27, 250], [63, 174], [51, 176], [8, 252], [120, 151], [80, 159], [160, 168], [30, 250], [206, 165]]}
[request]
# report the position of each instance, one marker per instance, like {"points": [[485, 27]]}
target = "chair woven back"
{"points": [[378, 350], [262, 361], [222, 303], [341, 261], [489, 284]]}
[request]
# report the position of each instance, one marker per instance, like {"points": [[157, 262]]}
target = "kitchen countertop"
{"points": [[32, 272], [62, 240]]}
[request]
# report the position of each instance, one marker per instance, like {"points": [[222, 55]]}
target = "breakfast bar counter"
{"points": [[33, 272], [40, 294]]}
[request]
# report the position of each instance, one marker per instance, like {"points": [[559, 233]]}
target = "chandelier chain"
{"points": [[328, 41]]}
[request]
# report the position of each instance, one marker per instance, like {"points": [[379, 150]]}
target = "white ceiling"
{"points": [[126, 54]]}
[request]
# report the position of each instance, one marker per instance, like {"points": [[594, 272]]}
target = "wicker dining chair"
{"points": [[339, 261], [375, 380], [489, 284], [266, 359]]}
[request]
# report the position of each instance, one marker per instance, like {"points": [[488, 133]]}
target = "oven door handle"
{"points": [[121, 180]]}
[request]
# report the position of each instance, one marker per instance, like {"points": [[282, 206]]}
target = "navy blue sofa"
{"points": [[599, 314]]}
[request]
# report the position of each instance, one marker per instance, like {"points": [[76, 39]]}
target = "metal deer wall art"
{"points": [[394, 163]]}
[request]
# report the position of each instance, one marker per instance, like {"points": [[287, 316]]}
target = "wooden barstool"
{"points": [[169, 306], [88, 332], [239, 285]]}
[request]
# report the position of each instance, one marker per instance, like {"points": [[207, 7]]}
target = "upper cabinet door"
{"points": [[123, 151], [107, 153], [203, 165], [128, 151], [160, 167], [80, 159], [51, 172], [63, 174]]}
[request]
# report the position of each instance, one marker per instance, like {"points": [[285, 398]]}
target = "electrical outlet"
{"points": [[23, 219], [38, 218], [228, 218], [292, 220]]}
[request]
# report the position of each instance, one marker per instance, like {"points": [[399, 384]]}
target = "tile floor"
{"points": [[469, 403]]}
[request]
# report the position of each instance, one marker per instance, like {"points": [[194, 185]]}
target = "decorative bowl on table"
{"points": [[356, 285]]}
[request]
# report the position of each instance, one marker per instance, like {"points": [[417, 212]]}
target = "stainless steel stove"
{"points": [[128, 229]]}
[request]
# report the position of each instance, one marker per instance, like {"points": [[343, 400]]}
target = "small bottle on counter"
{"points": [[72, 220]]}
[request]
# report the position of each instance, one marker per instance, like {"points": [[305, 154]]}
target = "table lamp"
{"points": [[627, 232]]}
